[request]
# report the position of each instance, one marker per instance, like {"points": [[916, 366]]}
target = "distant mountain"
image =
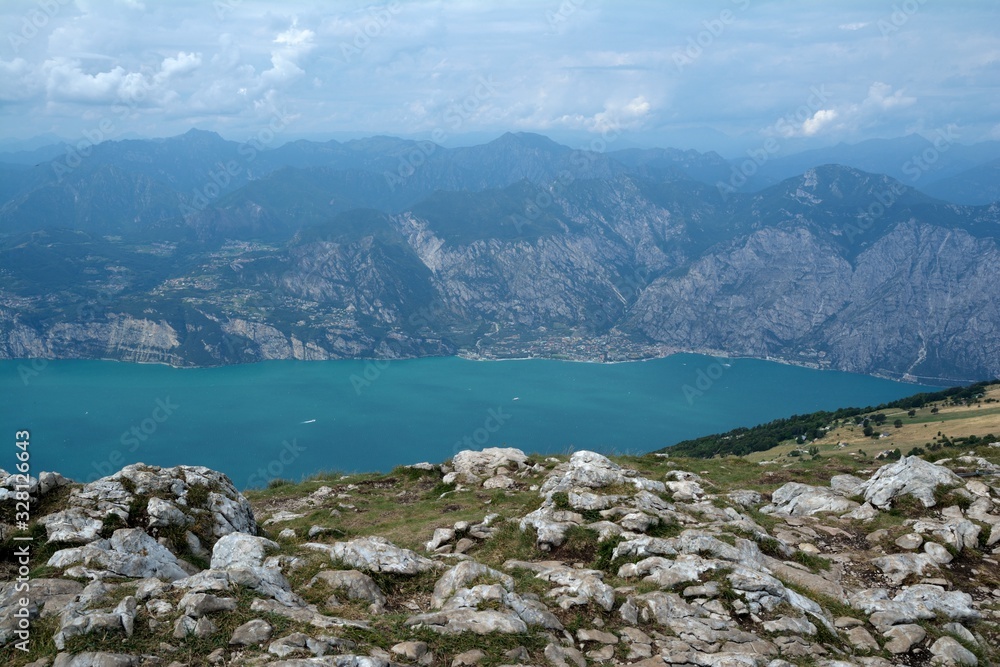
{"points": [[518, 247], [674, 164], [979, 185], [913, 159]]}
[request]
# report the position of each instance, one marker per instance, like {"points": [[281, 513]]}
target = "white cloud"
{"points": [[67, 82], [881, 96], [605, 64], [294, 44], [821, 119], [184, 63], [20, 80]]}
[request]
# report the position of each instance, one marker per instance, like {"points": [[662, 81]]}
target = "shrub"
{"points": [[197, 496], [561, 500]]}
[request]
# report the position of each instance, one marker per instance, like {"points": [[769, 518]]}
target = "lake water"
{"points": [[289, 419]]}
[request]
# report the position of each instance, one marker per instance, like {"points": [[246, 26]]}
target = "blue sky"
{"points": [[721, 75]]}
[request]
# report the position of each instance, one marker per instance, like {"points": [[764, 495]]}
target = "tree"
{"points": [[868, 430], [898, 423]]}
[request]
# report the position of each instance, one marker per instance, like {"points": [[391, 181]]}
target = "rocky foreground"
{"points": [[600, 565]]}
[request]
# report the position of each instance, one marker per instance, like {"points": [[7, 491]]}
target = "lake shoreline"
{"points": [[715, 354]]}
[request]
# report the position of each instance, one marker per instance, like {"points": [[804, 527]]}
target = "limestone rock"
{"points": [[440, 536], [129, 553], [252, 633], [240, 550], [861, 639], [197, 605], [903, 637], [796, 499], [473, 465], [410, 650], [170, 492], [575, 586], [355, 585], [911, 475], [910, 541], [96, 659], [789, 624], [470, 620], [71, 525], [564, 656], [376, 554], [897, 567], [461, 575], [590, 470], [745, 498], [163, 513], [594, 635], [947, 651], [468, 658]]}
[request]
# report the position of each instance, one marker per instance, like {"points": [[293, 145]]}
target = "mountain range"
{"points": [[194, 250]]}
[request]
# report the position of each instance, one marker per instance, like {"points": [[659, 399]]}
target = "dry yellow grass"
{"points": [[917, 431]]}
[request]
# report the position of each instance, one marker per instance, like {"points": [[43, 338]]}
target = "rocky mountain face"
{"points": [[520, 247], [572, 561]]}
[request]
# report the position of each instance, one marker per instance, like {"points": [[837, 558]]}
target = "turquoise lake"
{"points": [[289, 419]]}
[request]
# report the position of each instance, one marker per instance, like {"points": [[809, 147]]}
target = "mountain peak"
{"points": [[199, 136], [527, 140]]}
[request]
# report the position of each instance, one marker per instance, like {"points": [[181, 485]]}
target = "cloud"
{"points": [[821, 119], [293, 45], [67, 82], [20, 81], [184, 63], [600, 65], [881, 96]]}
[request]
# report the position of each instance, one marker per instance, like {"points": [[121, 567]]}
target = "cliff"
{"points": [[516, 248]]}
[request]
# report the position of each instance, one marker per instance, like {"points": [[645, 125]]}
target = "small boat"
{"points": [[308, 421], [516, 398]]}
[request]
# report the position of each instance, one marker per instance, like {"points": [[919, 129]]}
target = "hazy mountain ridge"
{"points": [[542, 251]]}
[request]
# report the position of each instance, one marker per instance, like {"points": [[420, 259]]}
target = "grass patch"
{"points": [[191, 649], [665, 529], [197, 496], [440, 489], [508, 542], [581, 546], [812, 561]]}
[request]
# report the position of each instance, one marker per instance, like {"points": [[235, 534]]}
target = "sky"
{"points": [[720, 75]]}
